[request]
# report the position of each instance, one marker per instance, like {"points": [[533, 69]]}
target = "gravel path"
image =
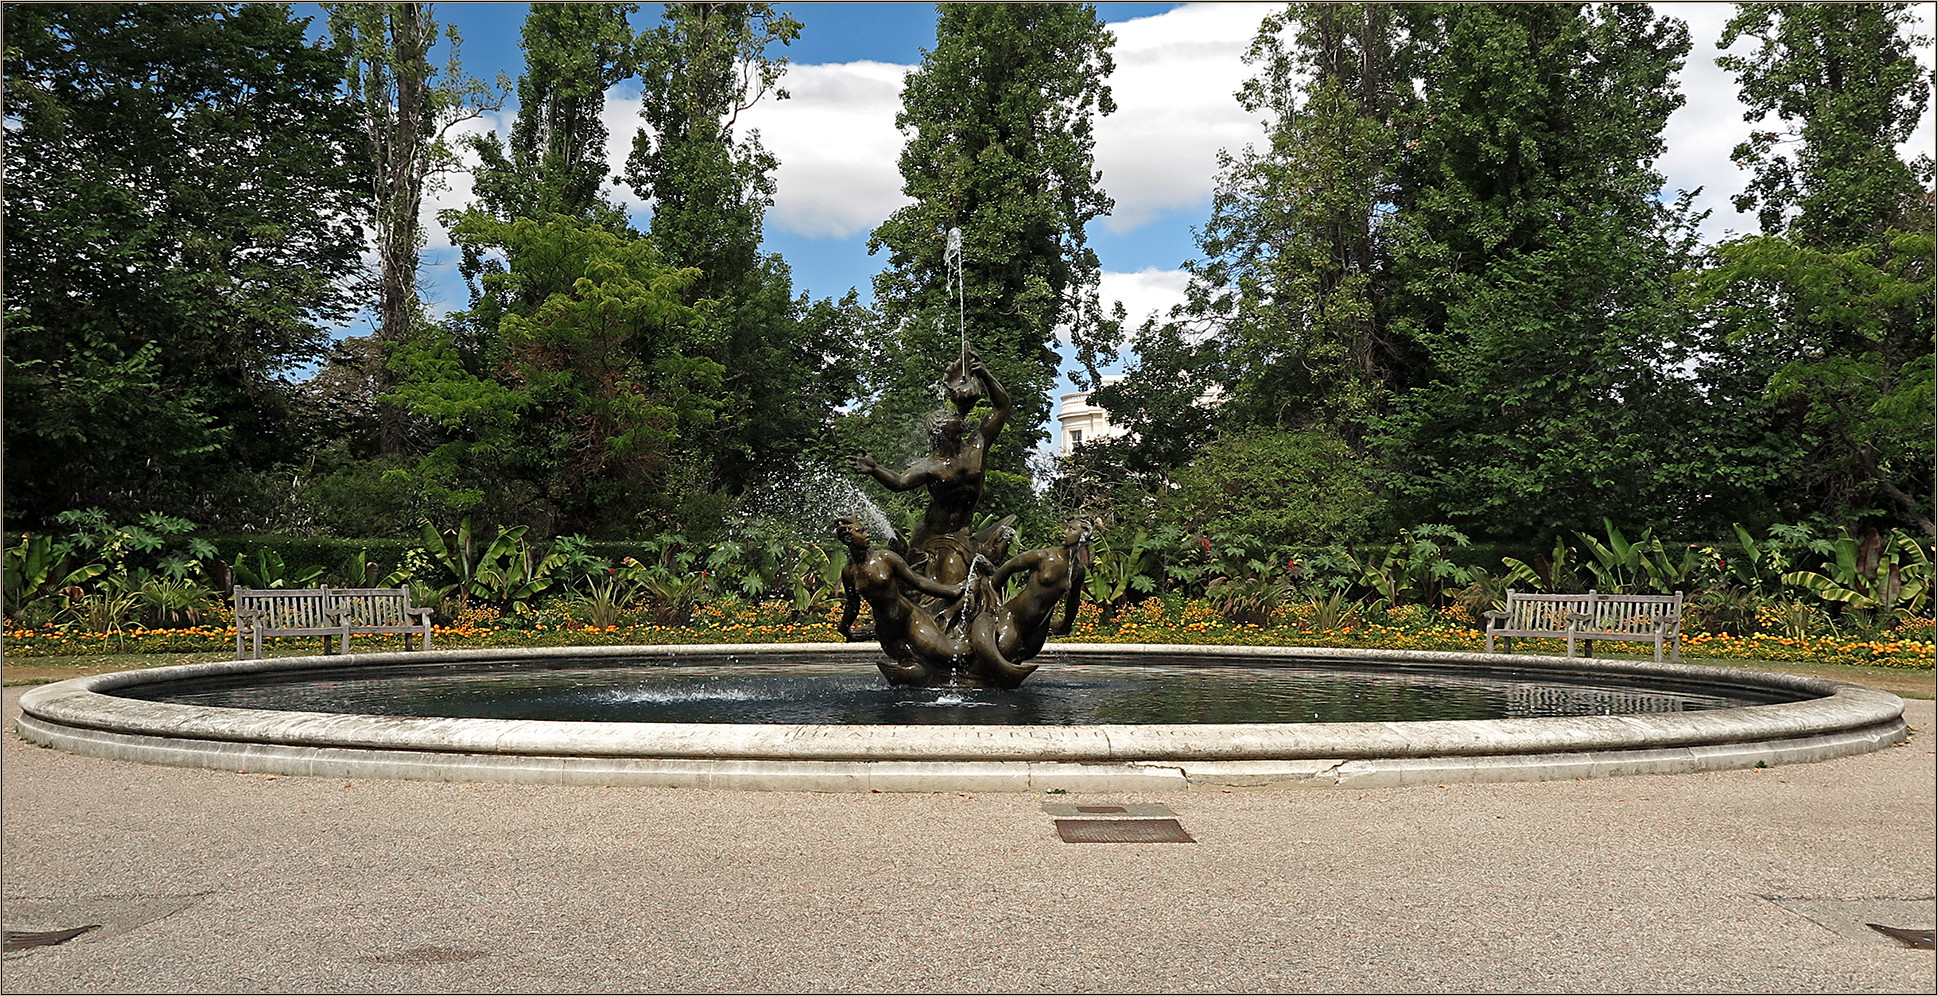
{"points": [[1740, 881]]}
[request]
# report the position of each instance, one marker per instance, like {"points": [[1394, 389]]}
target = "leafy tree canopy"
{"points": [[1281, 488], [1842, 79], [182, 216], [556, 159], [571, 415], [1823, 323], [786, 359], [1531, 276], [1279, 316]]}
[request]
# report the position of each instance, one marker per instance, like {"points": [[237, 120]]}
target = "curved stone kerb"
{"points": [[82, 703]]}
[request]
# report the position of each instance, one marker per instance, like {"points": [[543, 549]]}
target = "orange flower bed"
{"points": [[1151, 621]]}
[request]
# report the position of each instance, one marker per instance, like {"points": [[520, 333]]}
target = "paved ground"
{"points": [[1755, 881]]}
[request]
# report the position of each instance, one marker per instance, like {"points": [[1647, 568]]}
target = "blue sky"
{"points": [[1178, 66]]}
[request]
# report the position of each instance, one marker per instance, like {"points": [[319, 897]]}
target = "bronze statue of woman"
{"points": [[1004, 634], [952, 470], [923, 651]]}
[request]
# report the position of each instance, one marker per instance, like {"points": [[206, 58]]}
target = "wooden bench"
{"points": [[1653, 619], [326, 612]]}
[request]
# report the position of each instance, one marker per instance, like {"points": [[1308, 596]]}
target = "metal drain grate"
{"points": [[1103, 809], [1122, 832], [17, 940]]}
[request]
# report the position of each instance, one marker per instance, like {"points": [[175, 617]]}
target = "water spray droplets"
{"points": [[811, 499]]}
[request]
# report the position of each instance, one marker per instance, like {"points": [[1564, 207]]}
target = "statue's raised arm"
{"points": [[999, 402], [943, 545], [969, 379]]}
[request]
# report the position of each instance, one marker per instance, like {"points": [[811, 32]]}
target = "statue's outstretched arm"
{"points": [[1025, 561], [928, 586], [915, 477]]}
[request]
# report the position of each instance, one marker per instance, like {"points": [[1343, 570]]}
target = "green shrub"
{"points": [[1285, 488], [364, 500]]}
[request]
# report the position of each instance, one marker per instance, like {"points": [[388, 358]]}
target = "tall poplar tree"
{"points": [[700, 68], [1819, 329], [710, 183], [1530, 290], [1279, 316], [999, 120], [555, 160], [406, 106], [1842, 80]]}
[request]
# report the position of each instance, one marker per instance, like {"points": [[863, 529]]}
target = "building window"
{"points": [[1076, 437]]}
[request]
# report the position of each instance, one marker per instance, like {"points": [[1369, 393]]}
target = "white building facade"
{"points": [[1082, 422]]}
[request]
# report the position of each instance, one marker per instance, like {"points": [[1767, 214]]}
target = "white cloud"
{"points": [[837, 143], [621, 118], [1176, 77], [1147, 292], [1174, 83], [1701, 134], [1176, 74]]}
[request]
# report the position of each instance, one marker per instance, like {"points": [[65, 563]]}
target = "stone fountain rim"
{"points": [[80, 714]]}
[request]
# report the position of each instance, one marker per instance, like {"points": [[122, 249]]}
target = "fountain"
{"points": [[962, 630], [1142, 726], [952, 715]]}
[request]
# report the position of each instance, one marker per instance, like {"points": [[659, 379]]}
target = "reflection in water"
{"points": [[856, 694]]}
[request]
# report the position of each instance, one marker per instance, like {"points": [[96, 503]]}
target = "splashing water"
{"points": [[811, 498], [968, 588]]}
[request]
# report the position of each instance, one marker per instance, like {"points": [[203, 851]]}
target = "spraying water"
{"points": [[811, 498], [952, 268], [968, 589]]}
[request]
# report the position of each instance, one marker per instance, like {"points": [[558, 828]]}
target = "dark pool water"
{"points": [[1059, 694]]}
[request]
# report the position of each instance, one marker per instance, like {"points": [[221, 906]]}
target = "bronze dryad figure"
{"points": [[940, 615]]}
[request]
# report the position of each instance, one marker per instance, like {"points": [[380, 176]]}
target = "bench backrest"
{"points": [[315, 608], [1638, 614], [1543, 612], [374, 606], [288, 608]]}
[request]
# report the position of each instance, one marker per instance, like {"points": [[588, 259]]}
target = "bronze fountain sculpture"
{"points": [[938, 606]]}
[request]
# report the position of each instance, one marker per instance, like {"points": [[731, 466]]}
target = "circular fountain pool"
{"points": [[1097, 718]]}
